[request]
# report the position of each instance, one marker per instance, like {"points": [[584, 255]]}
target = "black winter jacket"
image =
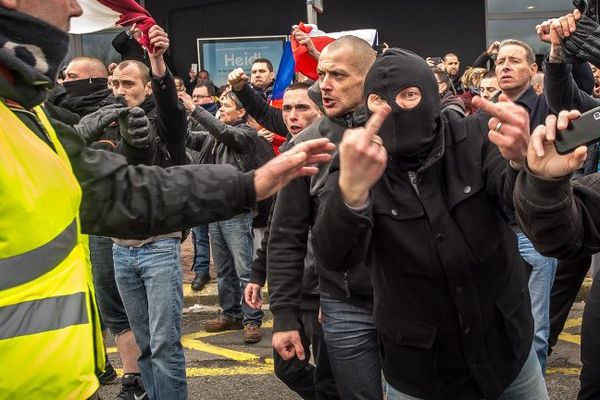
{"points": [[293, 216], [452, 306]]}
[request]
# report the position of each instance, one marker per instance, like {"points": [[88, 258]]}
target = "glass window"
{"points": [[518, 6]]}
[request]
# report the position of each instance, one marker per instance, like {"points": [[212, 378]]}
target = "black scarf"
{"points": [[408, 135], [33, 51]]}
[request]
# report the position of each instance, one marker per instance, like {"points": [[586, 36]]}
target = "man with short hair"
{"points": [[345, 297], [85, 87], [297, 113], [262, 77], [452, 67], [204, 95], [488, 86], [515, 68], [538, 82]]}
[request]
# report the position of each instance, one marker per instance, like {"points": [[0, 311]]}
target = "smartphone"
{"points": [[194, 67], [585, 130]]}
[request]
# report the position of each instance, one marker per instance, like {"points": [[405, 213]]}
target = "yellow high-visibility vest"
{"points": [[50, 339]]}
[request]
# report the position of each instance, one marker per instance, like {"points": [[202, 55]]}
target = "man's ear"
{"points": [[149, 89], [533, 68]]}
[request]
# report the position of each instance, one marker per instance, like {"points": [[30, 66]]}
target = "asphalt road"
{"points": [[220, 366]]}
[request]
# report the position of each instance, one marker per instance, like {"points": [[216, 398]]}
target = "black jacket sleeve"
{"points": [[257, 107], [482, 61], [561, 217], [561, 91], [241, 138], [134, 202], [171, 122], [288, 236], [341, 236], [120, 42]]}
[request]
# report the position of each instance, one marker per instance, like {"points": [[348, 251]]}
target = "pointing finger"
{"points": [[376, 121]]}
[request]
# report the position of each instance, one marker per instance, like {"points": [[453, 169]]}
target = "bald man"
{"points": [[85, 87], [346, 298]]}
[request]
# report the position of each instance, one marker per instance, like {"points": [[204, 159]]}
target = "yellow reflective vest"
{"points": [[50, 340]]}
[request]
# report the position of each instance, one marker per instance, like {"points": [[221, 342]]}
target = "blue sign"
{"points": [[220, 56]]}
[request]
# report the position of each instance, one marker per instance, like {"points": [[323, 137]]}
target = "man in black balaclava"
{"points": [[422, 197]]}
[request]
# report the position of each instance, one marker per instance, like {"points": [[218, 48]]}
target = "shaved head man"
{"points": [[342, 68], [85, 68]]}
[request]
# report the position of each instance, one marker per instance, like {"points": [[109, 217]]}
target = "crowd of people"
{"points": [[421, 236]]}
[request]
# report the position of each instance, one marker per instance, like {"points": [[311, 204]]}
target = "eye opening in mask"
{"points": [[408, 98]]}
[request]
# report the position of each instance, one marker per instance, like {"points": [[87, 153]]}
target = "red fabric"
{"points": [[305, 63], [131, 13], [276, 142]]}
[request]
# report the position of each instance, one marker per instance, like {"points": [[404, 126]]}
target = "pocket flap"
{"points": [[405, 331]]}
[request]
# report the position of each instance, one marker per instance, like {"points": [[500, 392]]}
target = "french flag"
{"points": [[295, 56], [104, 14]]}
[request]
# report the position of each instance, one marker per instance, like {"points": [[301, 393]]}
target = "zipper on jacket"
{"points": [[347, 283]]}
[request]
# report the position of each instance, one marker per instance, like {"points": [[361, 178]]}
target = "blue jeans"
{"points": [[529, 384], [231, 242], [351, 337], [201, 250], [149, 279], [109, 300], [540, 285]]}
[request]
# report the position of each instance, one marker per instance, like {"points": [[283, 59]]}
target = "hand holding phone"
{"points": [[582, 131]]}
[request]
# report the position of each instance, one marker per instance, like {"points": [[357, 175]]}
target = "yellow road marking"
{"points": [[219, 351], [563, 371], [567, 337], [573, 322], [228, 371]]}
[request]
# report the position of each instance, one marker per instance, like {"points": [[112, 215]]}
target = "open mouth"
{"points": [[328, 102], [295, 128]]}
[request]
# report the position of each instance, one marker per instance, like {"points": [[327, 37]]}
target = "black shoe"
{"points": [[200, 280], [108, 375], [132, 388]]}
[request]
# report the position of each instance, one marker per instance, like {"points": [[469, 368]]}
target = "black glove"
{"points": [[584, 43], [135, 129], [92, 126]]}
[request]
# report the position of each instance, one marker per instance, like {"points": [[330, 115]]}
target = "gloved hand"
{"points": [[92, 126], [135, 129], [584, 43]]}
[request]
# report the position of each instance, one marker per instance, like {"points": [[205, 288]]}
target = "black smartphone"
{"points": [[585, 130]]}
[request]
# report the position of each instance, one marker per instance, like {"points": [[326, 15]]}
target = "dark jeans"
{"points": [[201, 250], [107, 294], [349, 329], [567, 282], [590, 345], [310, 382]]}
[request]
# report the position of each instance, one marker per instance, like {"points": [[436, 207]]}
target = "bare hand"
{"points": [[288, 344], [297, 161], [362, 158], [493, 49], [543, 30], [304, 39], [253, 295], [159, 39], [429, 61], [187, 101], [542, 158], [266, 134], [509, 127], [562, 27], [237, 79]]}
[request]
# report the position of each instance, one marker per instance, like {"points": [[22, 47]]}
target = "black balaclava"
{"points": [[85, 87], [408, 135]]}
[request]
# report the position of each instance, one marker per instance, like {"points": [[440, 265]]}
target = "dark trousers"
{"points": [[567, 282], [310, 382], [590, 345]]}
